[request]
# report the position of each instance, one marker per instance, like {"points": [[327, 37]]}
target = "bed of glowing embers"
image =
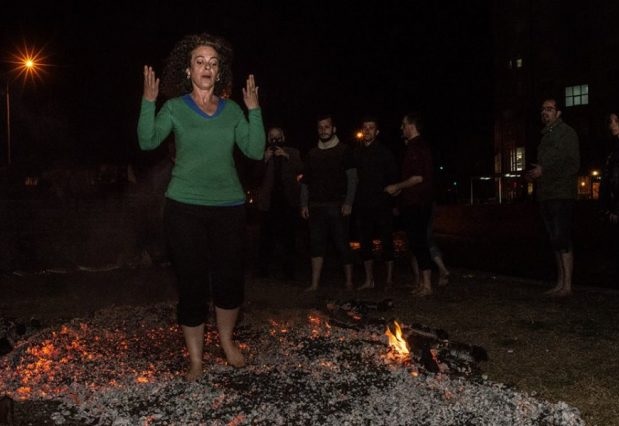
{"points": [[124, 366]]}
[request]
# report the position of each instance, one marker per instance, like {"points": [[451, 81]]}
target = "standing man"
{"points": [[376, 168], [278, 202], [556, 175], [416, 197], [327, 195]]}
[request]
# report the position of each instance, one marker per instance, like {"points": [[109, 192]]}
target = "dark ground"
{"points": [[556, 349]]}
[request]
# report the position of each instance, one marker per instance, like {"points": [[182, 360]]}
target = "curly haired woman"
{"points": [[205, 202]]}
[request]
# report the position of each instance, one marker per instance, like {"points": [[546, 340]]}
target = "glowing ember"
{"points": [[396, 341]]}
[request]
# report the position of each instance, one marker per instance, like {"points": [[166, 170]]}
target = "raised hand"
{"points": [[151, 84], [250, 93]]}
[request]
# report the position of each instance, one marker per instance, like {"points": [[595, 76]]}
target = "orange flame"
{"points": [[396, 341]]}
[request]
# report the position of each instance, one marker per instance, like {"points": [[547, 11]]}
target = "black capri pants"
{"points": [[206, 246]]}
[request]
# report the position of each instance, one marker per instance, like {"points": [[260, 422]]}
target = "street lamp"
{"points": [[27, 65]]}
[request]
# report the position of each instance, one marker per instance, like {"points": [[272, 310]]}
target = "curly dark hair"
{"points": [[174, 81]]}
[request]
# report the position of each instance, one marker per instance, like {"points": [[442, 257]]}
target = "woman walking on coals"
{"points": [[205, 203]]}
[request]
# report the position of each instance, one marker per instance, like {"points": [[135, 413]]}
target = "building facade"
{"points": [[552, 49]]}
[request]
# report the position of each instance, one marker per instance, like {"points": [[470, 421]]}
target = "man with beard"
{"points": [[327, 195], [558, 161]]}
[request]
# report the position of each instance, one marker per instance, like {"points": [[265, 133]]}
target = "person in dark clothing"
{"points": [[556, 171], [278, 202], [416, 197], [376, 168], [327, 196], [609, 187]]}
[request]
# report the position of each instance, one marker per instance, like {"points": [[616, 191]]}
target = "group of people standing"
{"points": [[205, 219], [336, 179]]}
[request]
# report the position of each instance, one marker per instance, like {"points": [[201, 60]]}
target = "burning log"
{"points": [[437, 354], [429, 347], [356, 314]]}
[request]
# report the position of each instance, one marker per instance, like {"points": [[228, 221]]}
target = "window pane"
{"points": [[584, 88], [568, 91], [576, 90], [569, 102], [519, 63], [585, 99], [577, 100]]}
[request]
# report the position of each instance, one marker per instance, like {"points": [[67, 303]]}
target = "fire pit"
{"points": [[124, 365]]}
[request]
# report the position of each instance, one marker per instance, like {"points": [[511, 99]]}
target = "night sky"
{"points": [[308, 57]]}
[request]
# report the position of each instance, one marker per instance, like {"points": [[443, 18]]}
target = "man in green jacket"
{"points": [[556, 176]]}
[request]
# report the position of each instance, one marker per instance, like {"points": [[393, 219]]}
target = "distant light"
{"points": [[582, 183], [359, 135], [455, 183], [441, 168], [595, 173], [29, 63]]}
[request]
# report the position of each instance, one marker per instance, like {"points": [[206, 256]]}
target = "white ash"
{"points": [[124, 367]]}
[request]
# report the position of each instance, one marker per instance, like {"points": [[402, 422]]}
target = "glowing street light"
{"points": [[28, 65]]}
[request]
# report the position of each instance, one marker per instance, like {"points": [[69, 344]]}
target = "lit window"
{"points": [[519, 63], [577, 95], [516, 159]]}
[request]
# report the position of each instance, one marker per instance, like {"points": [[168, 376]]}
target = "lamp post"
{"points": [[8, 124], [26, 65]]}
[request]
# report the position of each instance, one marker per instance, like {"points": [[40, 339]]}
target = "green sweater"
{"points": [[559, 156], [204, 171]]}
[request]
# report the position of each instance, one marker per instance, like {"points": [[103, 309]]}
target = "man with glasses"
{"points": [[558, 161]]}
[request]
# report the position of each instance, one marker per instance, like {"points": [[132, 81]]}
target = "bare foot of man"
{"points": [[422, 291]]}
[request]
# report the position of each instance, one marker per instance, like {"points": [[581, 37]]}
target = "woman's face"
{"points": [[204, 67], [613, 124]]}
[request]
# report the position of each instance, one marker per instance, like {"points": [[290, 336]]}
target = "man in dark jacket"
{"points": [[556, 174], [416, 197], [376, 168]]}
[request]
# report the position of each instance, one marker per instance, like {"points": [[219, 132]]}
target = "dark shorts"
{"points": [[325, 221], [207, 246], [558, 216]]}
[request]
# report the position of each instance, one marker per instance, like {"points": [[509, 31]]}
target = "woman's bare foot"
{"points": [[563, 292], [556, 289], [233, 355], [194, 372]]}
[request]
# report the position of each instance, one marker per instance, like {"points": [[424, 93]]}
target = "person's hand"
{"points": [[392, 190], [535, 172], [250, 93], [151, 84], [305, 212], [279, 152], [346, 210]]}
